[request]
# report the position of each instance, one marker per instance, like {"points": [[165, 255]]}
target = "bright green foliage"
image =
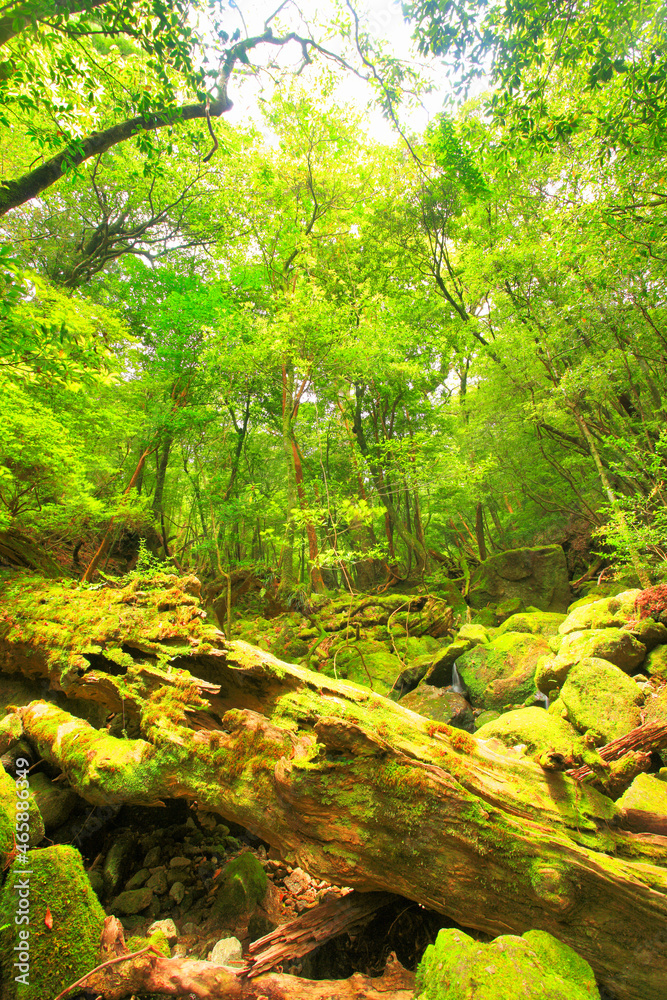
{"points": [[244, 884]]}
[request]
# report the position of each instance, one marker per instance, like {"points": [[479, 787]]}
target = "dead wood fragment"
{"points": [[651, 736], [313, 928], [148, 972]]}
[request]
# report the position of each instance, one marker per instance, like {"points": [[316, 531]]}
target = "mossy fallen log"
{"points": [[359, 790]]}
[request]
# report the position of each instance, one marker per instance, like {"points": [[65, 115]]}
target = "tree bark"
{"points": [[15, 193], [357, 789]]}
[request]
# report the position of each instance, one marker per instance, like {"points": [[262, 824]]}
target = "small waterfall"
{"points": [[457, 684], [540, 696]]}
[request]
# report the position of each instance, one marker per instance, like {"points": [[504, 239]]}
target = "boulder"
{"points": [[244, 884], [131, 902], [612, 612], [644, 805], [118, 861], [539, 731], [535, 966], [8, 803], [439, 673], [612, 644], [536, 576], [502, 672], [439, 704], [544, 623], [61, 953], [656, 662], [54, 802], [599, 697]]}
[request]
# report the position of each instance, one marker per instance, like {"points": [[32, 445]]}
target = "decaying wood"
{"points": [[643, 739], [357, 789], [147, 972], [313, 928]]}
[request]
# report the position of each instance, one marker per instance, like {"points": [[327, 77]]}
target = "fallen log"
{"points": [[355, 788], [148, 972], [313, 928]]}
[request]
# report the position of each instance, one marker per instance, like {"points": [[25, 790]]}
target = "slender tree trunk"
{"points": [[106, 541], [287, 553], [316, 580], [479, 531]]}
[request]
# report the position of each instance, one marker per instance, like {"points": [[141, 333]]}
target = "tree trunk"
{"points": [[355, 788]]}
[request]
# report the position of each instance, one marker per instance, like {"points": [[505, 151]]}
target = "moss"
{"points": [[539, 731], [535, 966], [656, 662], [600, 698], [244, 885], [8, 807], [156, 940], [536, 623], [58, 957], [502, 672], [612, 612]]}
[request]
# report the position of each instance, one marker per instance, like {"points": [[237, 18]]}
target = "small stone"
{"points": [[177, 892], [152, 857], [134, 901], [179, 862], [158, 883], [297, 882], [226, 950], [179, 951], [177, 875], [189, 929], [190, 823], [168, 928]]}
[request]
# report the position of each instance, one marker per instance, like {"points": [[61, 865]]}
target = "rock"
{"points": [[655, 706], [544, 623], [598, 696], [535, 966], [138, 879], [96, 880], [119, 860], [656, 662], [189, 929], [152, 857], [158, 883], [155, 940], [9, 797], [612, 644], [612, 612], [502, 672], [439, 674], [644, 805], [539, 731], [440, 705], [61, 955], [166, 927], [473, 634], [536, 576], [131, 902], [54, 802], [487, 716], [177, 892], [649, 632], [244, 884], [298, 881], [226, 950]]}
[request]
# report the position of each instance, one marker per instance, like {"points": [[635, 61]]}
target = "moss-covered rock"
{"points": [[244, 885], [439, 704], [535, 966], [534, 576], [60, 955], [439, 674], [489, 715], [11, 792], [612, 644], [156, 940], [600, 698], [54, 802], [612, 612], [502, 672], [132, 901], [656, 662], [655, 708], [540, 732], [644, 804], [544, 623]]}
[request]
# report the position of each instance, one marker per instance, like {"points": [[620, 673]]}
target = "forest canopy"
{"points": [[295, 339]]}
